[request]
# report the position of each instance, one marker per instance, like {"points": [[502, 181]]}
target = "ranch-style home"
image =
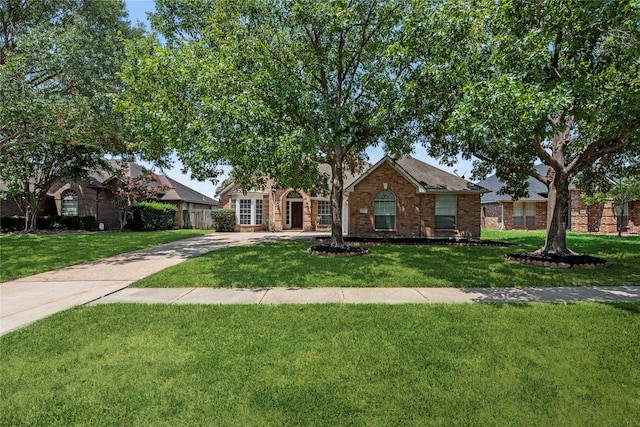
{"points": [[501, 212], [395, 197], [94, 197]]}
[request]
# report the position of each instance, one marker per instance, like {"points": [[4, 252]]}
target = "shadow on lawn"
{"points": [[557, 294], [633, 308]]}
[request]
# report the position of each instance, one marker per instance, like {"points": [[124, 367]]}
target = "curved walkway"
{"points": [[26, 300]]}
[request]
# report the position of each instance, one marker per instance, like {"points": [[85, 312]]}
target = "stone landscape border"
{"points": [[556, 261], [355, 248]]}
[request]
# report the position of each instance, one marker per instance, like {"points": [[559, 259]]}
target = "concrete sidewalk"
{"points": [[26, 300], [370, 295]]}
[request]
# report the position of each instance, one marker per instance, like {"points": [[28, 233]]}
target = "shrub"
{"points": [[152, 216], [268, 225], [223, 219], [11, 223], [58, 222], [50, 222]]}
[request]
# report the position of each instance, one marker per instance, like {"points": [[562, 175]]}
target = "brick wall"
{"points": [[468, 215], [508, 215], [9, 208], [491, 217], [274, 208], [541, 217], [579, 213], [415, 213], [634, 217], [601, 218], [92, 201]]}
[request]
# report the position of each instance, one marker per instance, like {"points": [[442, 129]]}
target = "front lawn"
{"points": [[325, 365], [288, 264], [26, 254]]}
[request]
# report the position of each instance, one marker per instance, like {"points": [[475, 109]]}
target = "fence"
{"points": [[199, 219]]}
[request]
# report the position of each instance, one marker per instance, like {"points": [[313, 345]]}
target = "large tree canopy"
{"points": [[271, 88], [58, 60], [524, 81]]}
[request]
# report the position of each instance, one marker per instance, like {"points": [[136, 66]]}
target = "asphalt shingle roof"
{"points": [[179, 192], [537, 190], [433, 178]]}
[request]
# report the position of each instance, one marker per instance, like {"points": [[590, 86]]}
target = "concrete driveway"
{"points": [[26, 300]]}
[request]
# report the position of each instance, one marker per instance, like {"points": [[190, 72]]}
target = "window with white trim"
{"points": [[324, 212], [384, 207], [258, 211], [249, 210], [69, 205], [446, 207], [245, 211]]}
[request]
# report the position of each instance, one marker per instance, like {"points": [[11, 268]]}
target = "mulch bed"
{"points": [[355, 247], [331, 251], [451, 241], [556, 261]]}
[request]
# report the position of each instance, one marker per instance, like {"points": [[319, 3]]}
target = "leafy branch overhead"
{"points": [[58, 61], [270, 88], [544, 81]]}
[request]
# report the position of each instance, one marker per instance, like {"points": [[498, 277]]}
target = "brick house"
{"points": [[501, 212], [403, 197], [94, 197]]}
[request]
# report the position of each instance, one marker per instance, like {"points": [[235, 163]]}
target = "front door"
{"points": [[296, 214]]}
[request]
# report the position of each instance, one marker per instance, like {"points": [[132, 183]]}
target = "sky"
{"points": [[137, 13]]}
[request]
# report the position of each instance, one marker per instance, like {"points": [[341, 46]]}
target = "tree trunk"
{"points": [[557, 215], [30, 205], [337, 191], [30, 221]]}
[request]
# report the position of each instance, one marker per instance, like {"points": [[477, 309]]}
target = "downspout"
{"points": [[502, 216]]}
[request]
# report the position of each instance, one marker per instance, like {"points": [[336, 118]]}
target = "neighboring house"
{"points": [[500, 212], [403, 197], [94, 197]]}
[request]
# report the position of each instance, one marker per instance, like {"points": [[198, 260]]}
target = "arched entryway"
{"points": [[294, 211]]}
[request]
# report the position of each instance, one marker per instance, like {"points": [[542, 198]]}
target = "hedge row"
{"points": [[152, 216], [50, 222], [223, 219]]}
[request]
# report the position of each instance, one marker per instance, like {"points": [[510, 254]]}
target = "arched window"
{"points": [[384, 206], [69, 203]]}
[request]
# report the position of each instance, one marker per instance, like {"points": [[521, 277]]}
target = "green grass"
{"points": [[326, 365], [26, 254], [288, 264]]}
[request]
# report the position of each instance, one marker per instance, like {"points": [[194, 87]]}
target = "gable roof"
{"points": [[323, 168], [426, 178], [179, 192], [537, 190]]}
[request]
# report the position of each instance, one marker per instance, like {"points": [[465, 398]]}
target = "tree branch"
{"points": [[591, 154], [541, 152]]}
